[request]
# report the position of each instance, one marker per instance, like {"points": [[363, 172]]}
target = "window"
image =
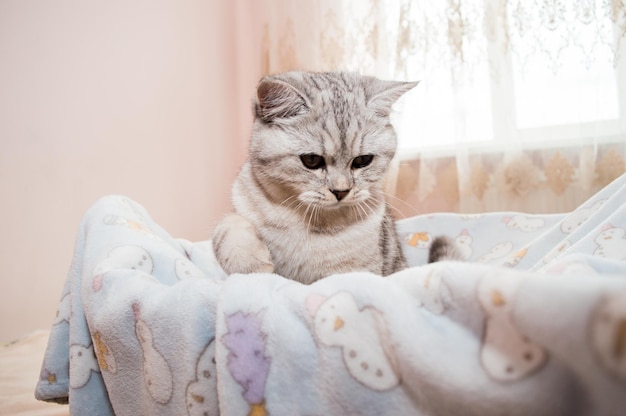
{"points": [[551, 74]]}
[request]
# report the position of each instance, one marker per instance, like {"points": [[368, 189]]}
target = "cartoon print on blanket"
{"points": [[362, 336], [611, 243], [554, 253], [132, 208], [104, 355], [432, 292], [184, 269], [135, 217], [608, 334], [126, 222], [496, 252], [82, 363], [419, 240], [125, 257], [247, 362], [464, 244], [578, 217], [63, 310], [156, 370], [201, 400], [48, 376], [138, 222], [506, 354], [514, 259], [523, 223]]}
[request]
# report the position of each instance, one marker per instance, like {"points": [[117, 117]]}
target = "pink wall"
{"points": [[150, 99]]}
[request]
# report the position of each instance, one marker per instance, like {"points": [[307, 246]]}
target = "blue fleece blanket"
{"points": [[533, 324]]}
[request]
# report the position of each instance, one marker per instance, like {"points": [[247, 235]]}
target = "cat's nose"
{"points": [[340, 194]]}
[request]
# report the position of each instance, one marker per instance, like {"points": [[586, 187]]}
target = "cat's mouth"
{"points": [[333, 205], [331, 202]]}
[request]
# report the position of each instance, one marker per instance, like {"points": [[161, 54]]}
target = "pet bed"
{"points": [[533, 324]]}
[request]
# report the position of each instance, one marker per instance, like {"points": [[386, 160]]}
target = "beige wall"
{"points": [[144, 98]]}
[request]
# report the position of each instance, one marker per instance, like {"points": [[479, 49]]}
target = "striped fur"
{"points": [[330, 216], [444, 248]]}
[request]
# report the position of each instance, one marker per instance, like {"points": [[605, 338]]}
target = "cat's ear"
{"points": [[277, 100], [384, 93]]}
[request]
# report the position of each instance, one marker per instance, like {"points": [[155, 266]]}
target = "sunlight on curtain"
{"points": [[521, 105]]}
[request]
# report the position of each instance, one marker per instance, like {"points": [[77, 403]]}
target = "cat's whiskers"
{"points": [[316, 212], [354, 211], [362, 213], [306, 212], [414, 211], [369, 205], [292, 199], [295, 204], [299, 207]]}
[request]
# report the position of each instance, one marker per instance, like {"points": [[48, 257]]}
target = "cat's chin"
{"points": [[332, 206], [336, 206]]}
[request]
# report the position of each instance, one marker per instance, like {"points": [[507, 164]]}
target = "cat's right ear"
{"points": [[277, 100]]}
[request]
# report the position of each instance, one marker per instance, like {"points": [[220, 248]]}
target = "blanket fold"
{"points": [[533, 323]]}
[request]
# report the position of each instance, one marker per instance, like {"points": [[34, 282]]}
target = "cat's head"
{"points": [[323, 139]]}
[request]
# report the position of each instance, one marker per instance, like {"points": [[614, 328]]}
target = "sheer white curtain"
{"points": [[522, 104]]}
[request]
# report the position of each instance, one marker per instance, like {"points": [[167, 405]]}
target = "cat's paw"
{"points": [[239, 249]]}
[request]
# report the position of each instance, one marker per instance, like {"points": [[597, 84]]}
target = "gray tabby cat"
{"points": [[309, 200]]}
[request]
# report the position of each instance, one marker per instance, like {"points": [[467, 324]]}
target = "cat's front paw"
{"points": [[239, 249]]}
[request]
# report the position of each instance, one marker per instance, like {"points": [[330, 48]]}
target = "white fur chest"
{"points": [[307, 256], [301, 253]]}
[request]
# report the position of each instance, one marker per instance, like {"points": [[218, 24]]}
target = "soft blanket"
{"points": [[533, 324]]}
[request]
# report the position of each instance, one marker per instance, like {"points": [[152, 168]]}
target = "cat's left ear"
{"points": [[278, 100], [385, 93]]}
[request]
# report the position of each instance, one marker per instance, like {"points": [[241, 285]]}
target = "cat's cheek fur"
{"points": [[238, 248]]}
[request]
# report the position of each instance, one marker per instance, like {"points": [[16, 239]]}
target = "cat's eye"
{"points": [[313, 161], [362, 161]]}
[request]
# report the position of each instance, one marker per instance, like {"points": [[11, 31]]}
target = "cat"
{"points": [[309, 200]]}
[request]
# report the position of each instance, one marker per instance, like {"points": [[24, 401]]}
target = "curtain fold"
{"points": [[521, 105]]}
